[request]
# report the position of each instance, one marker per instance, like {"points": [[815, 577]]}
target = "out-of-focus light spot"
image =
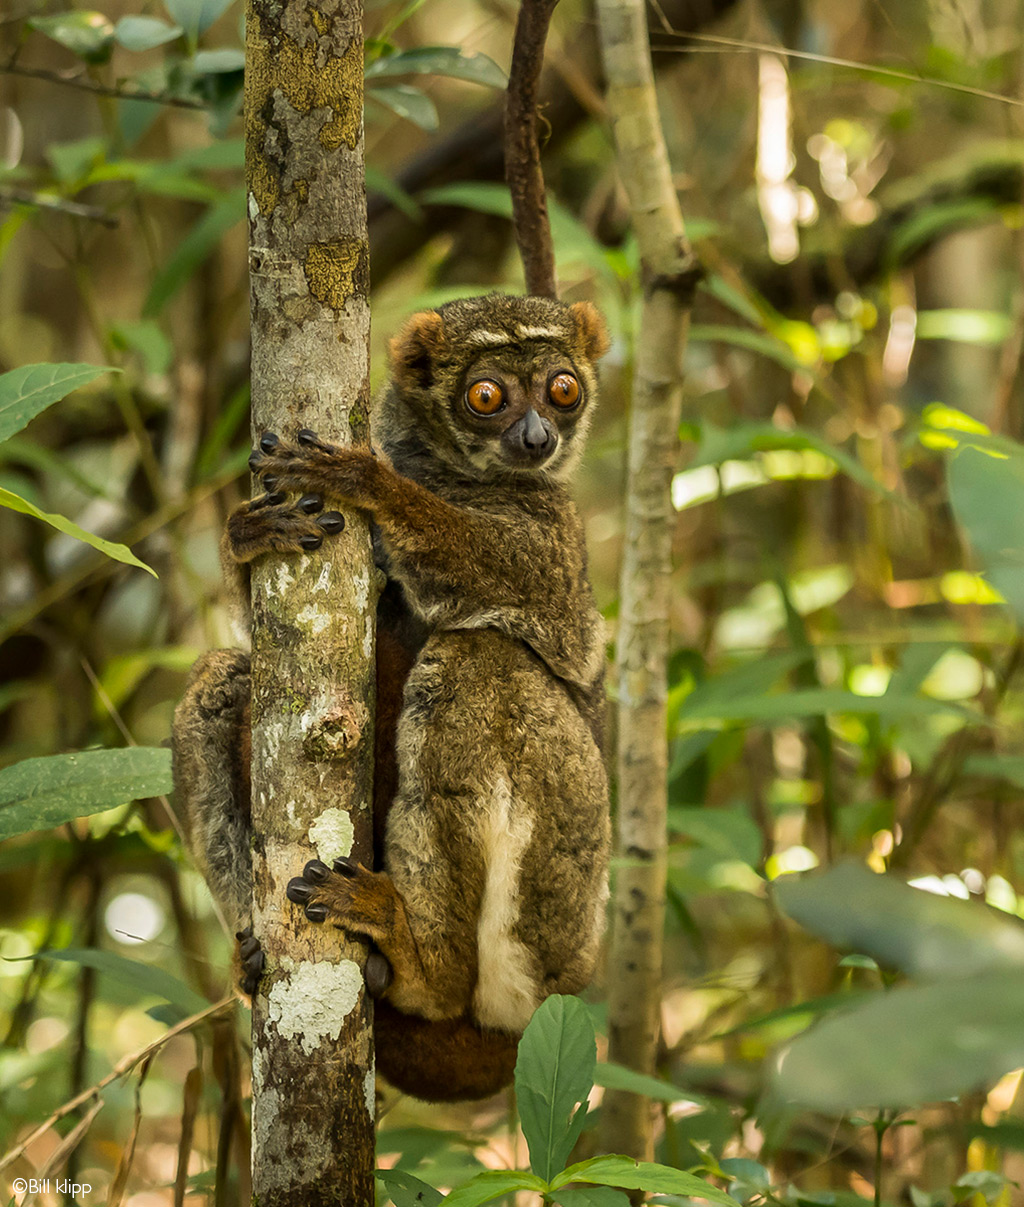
{"points": [[45, 1033], [133, 918], [956, 676], [1000, 894], [973, 880], [793, 859], [899, 345], [869, 680], [777, 197], [962, 587]]}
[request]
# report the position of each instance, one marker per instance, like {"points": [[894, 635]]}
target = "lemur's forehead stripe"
{"points": [[487, 339], [524, 332], [483, 338]]}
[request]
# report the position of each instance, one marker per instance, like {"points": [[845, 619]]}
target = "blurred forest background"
{"points": [[845, 685]]}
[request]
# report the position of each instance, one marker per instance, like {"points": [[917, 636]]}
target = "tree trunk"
{"points": [[669, 277], [313, 615]]}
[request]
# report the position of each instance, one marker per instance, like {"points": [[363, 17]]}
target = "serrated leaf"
{"points": [[145, 33], [190, 253], [146, 977], [640, 1175], [492, 1184], [87, 34], [912, 1045], [554, 1075], [38, 794], [196, 16], [119, 553], [406, 1190], [28, 391], [902, 927], [408, 102], [439, 60]]}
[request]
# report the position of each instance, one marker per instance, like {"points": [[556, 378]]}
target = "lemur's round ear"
{"points": [[415, 348], [590, 328]]}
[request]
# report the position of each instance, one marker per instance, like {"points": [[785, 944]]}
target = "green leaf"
{"points": [[196, 16], [148, 341], [190, 253], [145, 33], [902, 927], [753, 341], [120, 553], [407, 102], [38, 794], [145, 977], [87, 34], [405, 1190], [591, 1196], [811, 702], [218, 62], [554, 1075], [730, 833], [1009, 767], [911, 1045], [471, 195], [640, 1175], [617, 1077], [439, 60], [492, 1184], [27, 391]]}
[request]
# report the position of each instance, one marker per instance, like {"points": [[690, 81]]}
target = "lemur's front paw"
{"points": [[350, 895], [312, 464], [252, 960], [269, 524]]}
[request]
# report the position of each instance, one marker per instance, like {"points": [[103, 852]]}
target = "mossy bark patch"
{"points": [[336, 270]]}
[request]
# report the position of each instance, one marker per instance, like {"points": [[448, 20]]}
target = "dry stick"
{"points": [[89, 85], [314, 614], [124, 1065], [669, 278], [530, 222]]}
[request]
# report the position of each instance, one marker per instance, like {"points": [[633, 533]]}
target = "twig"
{"points": [[74, 208], [124, 1065], [88, 85], [530, 220]]}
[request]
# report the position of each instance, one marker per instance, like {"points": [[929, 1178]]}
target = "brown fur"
{"points": [[490, 794]]}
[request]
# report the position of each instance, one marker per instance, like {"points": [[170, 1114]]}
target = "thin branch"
{"points": [[89, 85], [530, 220], [124, 1065], [74, 208]]}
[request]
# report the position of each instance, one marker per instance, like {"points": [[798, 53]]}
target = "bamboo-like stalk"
{"points": [[313, 615], [669, 277]]}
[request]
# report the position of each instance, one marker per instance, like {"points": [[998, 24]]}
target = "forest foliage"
{"points": [[845, 688]]}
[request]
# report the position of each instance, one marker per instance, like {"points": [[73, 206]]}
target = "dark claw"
{"points": [[315, 872], [269, 482], [346, 867], [298, 890], [248, 946], [311, 541], [255, 459], [378, 973], [331, 522], [265, 501], [307, 437], [316, 913], [311, 504], [268, 442]]}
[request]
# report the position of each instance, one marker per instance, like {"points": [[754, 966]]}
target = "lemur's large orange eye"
{"points": [[564, 390], [485, 397]]}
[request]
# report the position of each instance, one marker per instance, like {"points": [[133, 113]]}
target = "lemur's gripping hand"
{"points": [[251, 958], [314, 466], [355, 899], [272, 524]]}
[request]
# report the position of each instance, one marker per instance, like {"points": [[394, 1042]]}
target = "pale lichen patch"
{"points": [[312, 1004], [323, 583], [314, 619], [332, 834], [370, 1091]]}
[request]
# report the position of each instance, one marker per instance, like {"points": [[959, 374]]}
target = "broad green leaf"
{"points": [[811, 702], [218, 62], [492, 1184], [802, 1012], [617, 1077], [196, 16], [918, 932], [197, 245], [977, 478], [640, 1175], [87, 34], [752, 341], [554, 1075], [911, 1045], [471, 195], [405, 1190], [1009, 767], [408, 102], [38, 794], [146, 977], [120, 553], [380, 182], [591, 1196], [731, 833], [145, 33], [148, 341], [26, 392], [439, 60]]}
